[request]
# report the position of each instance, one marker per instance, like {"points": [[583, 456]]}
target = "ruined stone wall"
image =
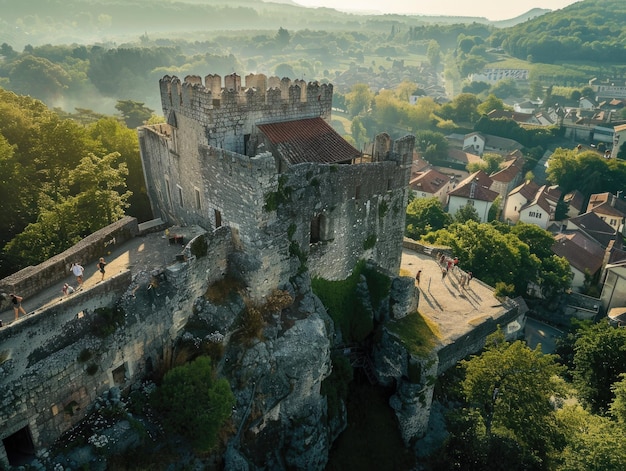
{"points": [[32, 279], [359, 211], [58, 360], [218, 188]]}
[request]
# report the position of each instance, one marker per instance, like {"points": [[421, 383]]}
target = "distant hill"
{"points": [[587, 31], [529, 15], [38, 22]]}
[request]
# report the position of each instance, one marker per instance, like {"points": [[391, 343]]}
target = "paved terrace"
{"points": [[142, 253], [454, 309]]}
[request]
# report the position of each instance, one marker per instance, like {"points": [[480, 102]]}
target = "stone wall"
{"points": [[59, 359], [474, 340], [32, 279]]}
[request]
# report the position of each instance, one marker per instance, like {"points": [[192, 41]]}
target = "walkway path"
{"points": [[144, 253]]}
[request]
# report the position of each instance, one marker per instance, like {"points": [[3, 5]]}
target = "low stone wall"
{"points": [[30, 280], [418, 247], [474, 339]]}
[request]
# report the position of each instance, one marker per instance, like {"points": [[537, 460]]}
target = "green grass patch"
{"points": [[339, 298], [416, 333]]}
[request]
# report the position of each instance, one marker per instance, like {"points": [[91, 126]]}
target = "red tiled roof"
{"points": [[309, 140], [528, 190], [607, 209], [511, 169], [430, 181], [476, 187]]}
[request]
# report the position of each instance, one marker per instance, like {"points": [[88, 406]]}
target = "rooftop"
{"points": [[309, 140]]}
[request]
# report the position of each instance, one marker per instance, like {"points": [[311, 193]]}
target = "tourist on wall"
{"points": [[67, 289], [101, 265], [78, 271], [17, 305]]}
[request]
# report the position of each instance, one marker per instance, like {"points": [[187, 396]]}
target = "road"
{"points": [[537, 332]]}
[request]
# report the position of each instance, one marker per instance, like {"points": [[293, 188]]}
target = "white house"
{"points": [[473, 191], [432, 183], [475, 143], [532, 204]]}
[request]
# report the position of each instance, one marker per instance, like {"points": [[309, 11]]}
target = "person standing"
{"points": [[17, 305], [101, 265], [78, 271], [417, 277]]}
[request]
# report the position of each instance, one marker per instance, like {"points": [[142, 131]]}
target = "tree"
{"points": [[504, 88], [424, 215], [282, 37], [433, 53], [490, 163], [38, 77], [592, 442], [134, 113], [618, 406], [466, 213], [114, 136], [492, 255], [195, 403], [599, 362], [359, 99], [359, 134], [512, 388], [100, 200], [494, 209], [491, 103]]}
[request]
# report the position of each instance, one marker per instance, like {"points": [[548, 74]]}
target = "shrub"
{"points": [[503, 289], [195, 403], [369, 242], [199, 247]]}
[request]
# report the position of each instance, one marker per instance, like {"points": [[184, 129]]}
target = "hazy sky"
{"points": [[491, 9]]}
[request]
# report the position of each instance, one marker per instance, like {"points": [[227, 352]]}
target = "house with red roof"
{"points": [[474, 191], [509, 176], [610, 208], [432, 184], [584, 254]]}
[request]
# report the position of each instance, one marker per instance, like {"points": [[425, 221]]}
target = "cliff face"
{"points": [[281, 416]]}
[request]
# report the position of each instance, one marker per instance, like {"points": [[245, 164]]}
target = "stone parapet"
{"points": [[30, 280]]}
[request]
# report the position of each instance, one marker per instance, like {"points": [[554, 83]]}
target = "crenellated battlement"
{"points": [[194, 96]]}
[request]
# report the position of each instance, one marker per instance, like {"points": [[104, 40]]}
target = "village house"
{"points": [[583, 253], [509, 176], [432, 184], [474, 191], [610, 208], [532, 204], [592, 226], [575, 201]]}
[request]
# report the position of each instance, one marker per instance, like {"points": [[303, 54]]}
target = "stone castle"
{"points": [[264, 161]]}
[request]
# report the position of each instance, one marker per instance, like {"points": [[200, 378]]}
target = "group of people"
{"points": [[76, 269], [448, 265]]}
